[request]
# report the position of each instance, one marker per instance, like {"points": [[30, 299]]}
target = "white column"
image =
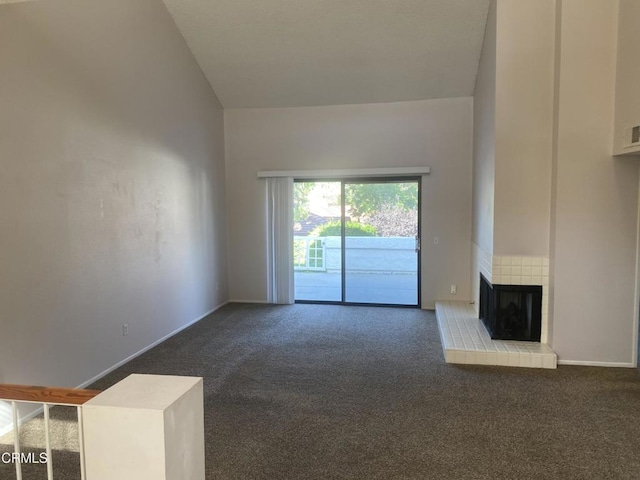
{"points": [[146, 427]]}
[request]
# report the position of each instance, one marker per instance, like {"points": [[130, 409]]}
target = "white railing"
{"points": [[46, 397], [112, 441]]}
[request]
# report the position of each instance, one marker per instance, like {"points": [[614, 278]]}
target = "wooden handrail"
{"points": [[49, 395]]}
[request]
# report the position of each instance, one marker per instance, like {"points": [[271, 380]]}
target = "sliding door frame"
{"points": [[357, 180]]}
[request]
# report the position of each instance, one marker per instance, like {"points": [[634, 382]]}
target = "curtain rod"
{"points": [[347, 172]]}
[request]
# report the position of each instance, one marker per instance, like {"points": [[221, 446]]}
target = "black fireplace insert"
{"points": [[511, 312]]}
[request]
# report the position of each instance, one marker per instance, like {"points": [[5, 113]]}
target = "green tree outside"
{"points": [[301, 192], [368, 198]]}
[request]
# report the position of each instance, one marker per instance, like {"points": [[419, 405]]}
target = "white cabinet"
{"points": [[626, 139]]}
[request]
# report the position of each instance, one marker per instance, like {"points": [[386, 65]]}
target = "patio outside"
{"points": [[363, 287]]}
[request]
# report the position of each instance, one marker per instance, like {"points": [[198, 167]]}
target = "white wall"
{"points": [[627, 81], [513, 131], [111, 187], [484, 141], [436, 133], [554, 173], [596, 197], [523, 126]]}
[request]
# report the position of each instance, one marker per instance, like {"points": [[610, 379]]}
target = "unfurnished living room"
{"points": [[342, 239]]}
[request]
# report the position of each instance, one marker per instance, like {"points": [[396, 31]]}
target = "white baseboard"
{"points": [[263, 302], [4, 429], [149, 347], [586, 363]]}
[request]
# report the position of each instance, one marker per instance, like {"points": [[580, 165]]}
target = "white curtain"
{"points": [[280, 240]]}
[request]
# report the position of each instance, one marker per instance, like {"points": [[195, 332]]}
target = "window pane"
{"points": [[317, 242]]}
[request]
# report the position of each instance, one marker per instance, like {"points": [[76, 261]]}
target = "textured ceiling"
{"points": [[283, 53]]}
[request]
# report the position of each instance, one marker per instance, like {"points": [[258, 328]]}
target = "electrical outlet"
{"points": [[435, 240], [125, 330], [454, 289]]}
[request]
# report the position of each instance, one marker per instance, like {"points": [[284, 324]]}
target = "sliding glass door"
{"points": [[317, 241], [381, 235], [357, 241]]}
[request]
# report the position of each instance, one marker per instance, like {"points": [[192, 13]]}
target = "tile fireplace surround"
{"points": [[465, 340], [511, 270], [464, 337]]}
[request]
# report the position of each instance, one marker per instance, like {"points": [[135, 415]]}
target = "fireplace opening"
{"points": [[511, 312]]}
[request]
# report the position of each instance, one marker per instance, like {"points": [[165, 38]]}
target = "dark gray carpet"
{"points": [[314, 392]]}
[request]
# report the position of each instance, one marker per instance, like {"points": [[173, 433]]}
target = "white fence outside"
{"points": [[391, 255]]}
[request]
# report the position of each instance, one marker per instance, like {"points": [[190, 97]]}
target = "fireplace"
{"points": [[511, 312]]}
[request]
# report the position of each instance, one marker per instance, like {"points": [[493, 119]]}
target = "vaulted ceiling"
{"points": [[286, 53]]}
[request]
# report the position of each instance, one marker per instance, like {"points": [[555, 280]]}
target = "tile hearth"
{"points": [[465, 340]]}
